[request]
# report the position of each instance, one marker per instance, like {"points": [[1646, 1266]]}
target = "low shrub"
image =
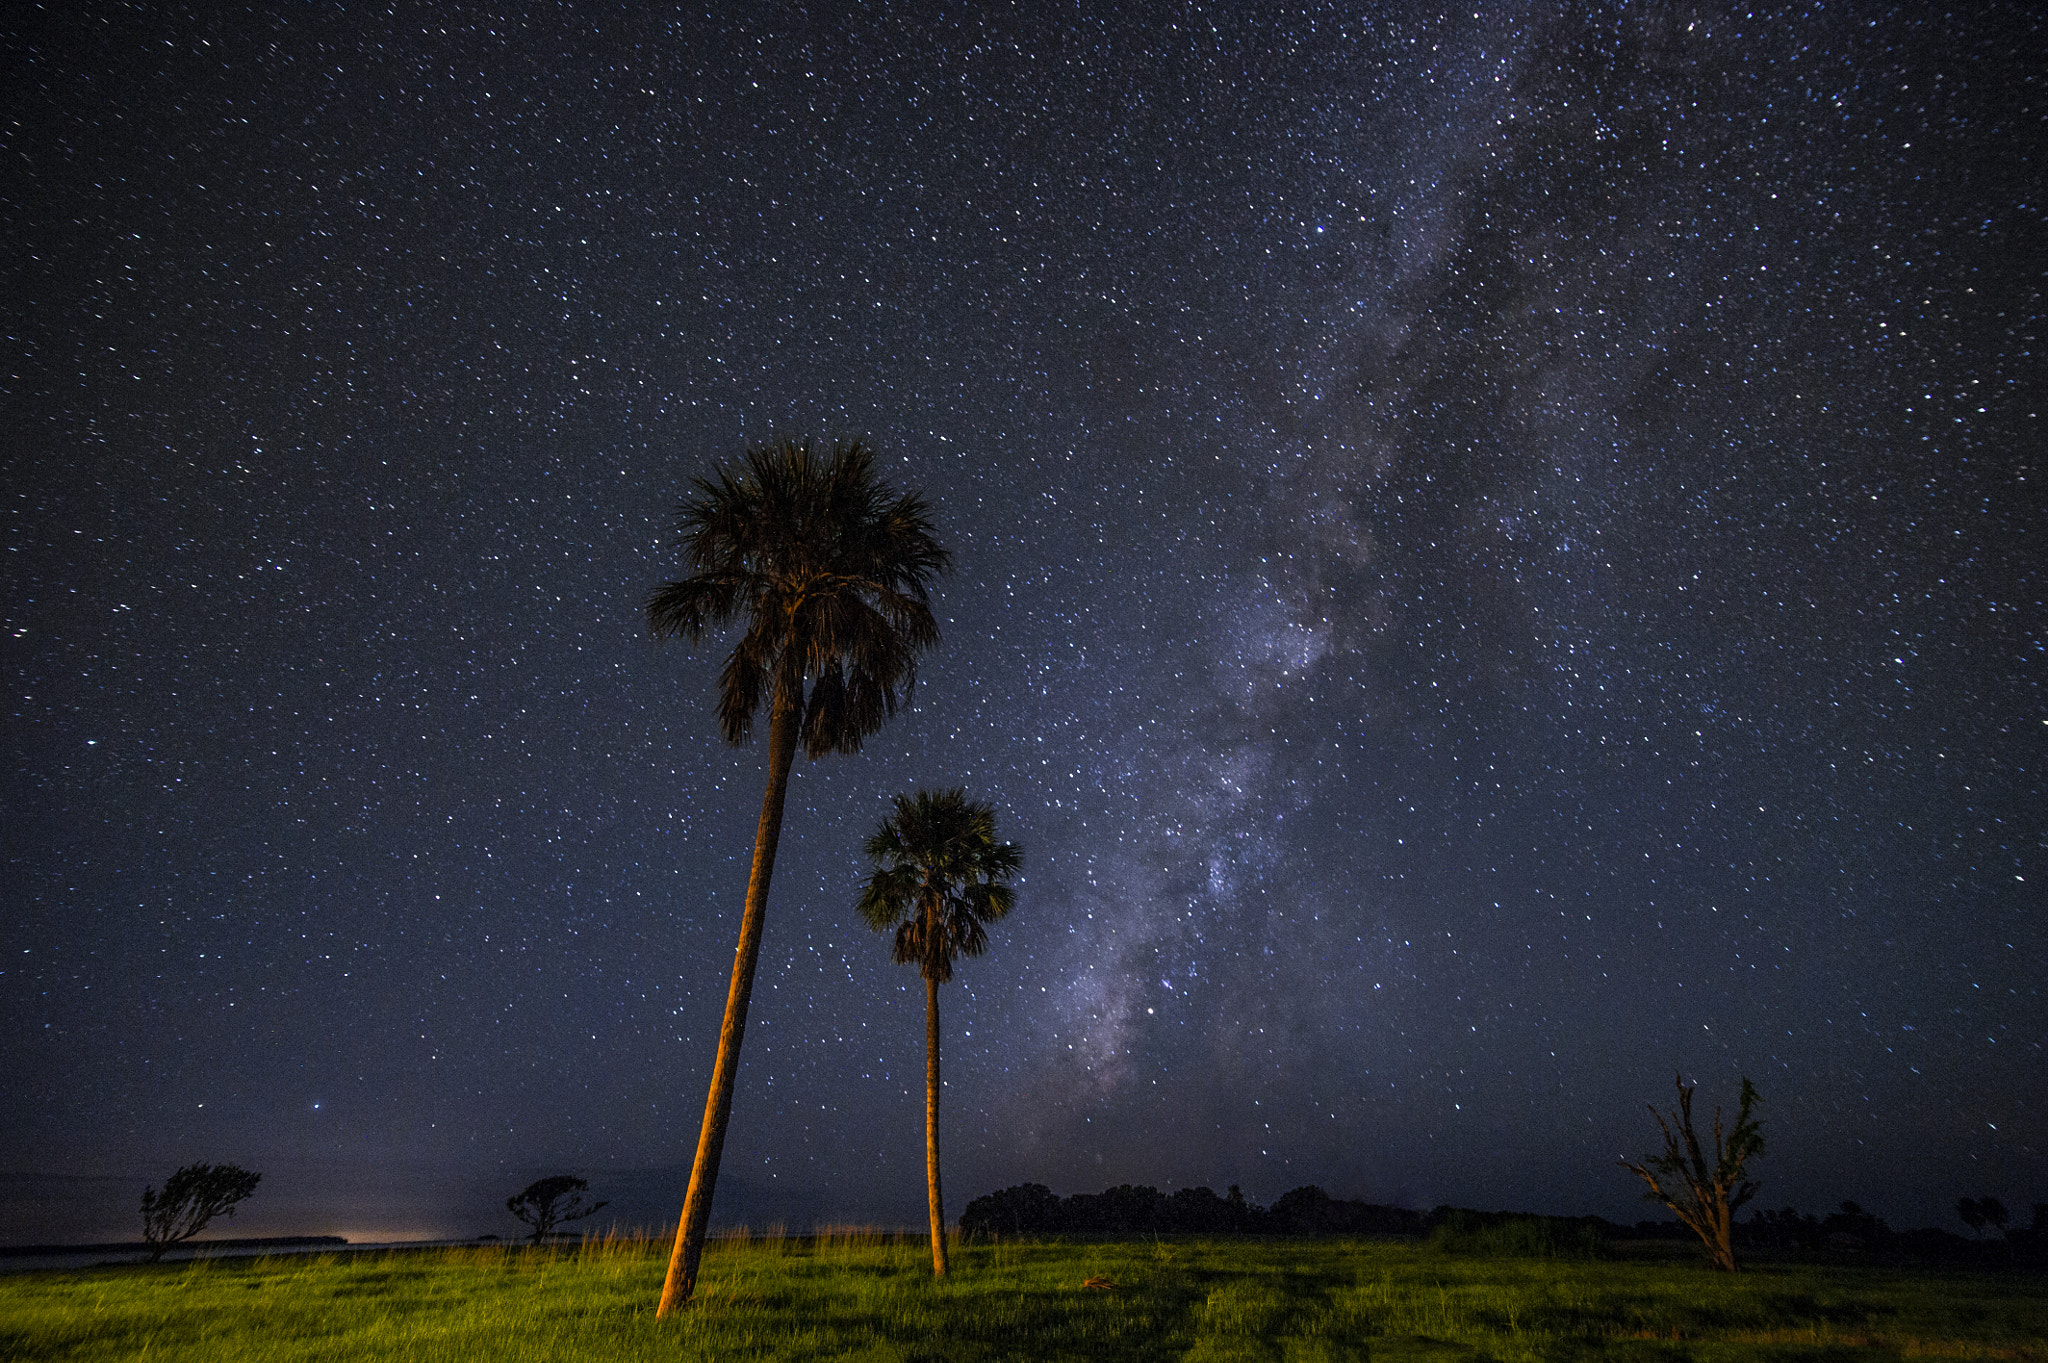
{"points": [[1476, 1235]]}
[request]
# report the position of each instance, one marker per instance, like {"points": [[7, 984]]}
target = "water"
{"points": [[42, 1258]]}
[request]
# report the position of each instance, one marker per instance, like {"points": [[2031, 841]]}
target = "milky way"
{"points": [[1494, 563]]}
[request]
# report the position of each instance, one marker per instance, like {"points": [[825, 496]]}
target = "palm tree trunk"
{"points": [[696, 1219], [931, 1125]]}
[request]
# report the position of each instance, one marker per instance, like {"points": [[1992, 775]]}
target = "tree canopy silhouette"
{"points": [[1978, 1212], [550, 1202], [939, 882], [192, 1196], [828, 572]]}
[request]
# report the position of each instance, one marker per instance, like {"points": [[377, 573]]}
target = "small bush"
{"points": [[1474, 1235]]}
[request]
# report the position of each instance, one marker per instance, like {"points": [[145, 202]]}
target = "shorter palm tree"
{"points": [[938, 883]]}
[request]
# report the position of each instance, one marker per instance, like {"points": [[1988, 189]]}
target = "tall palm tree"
{"points": [[937, 882], [828, 569]]}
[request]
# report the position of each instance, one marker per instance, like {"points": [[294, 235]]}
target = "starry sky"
{"points": [[1496, 559]]}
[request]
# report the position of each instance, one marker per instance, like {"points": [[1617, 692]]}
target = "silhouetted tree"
{"points": [[1307, 1210], [1198, 1211], [1123, 1210], [939, 883], [829, 571], [1026, 1209], [192, 1196], [1703, 1195], [1786, 1229], [550, 1202], [1855, 1228], [1978, 1212], [2031, 1241]]}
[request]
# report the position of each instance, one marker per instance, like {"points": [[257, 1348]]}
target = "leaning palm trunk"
{"points": [[829, 571], [696, 1219], [931, 1125]]}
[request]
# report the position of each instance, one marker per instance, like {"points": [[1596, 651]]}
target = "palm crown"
{"points": [[939, 865], [829, 571]]}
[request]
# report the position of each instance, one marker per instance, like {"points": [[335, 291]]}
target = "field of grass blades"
{"points": [[851, 1293]]}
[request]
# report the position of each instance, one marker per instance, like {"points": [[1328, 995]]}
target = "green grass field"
{"points": [[865, 1296]]}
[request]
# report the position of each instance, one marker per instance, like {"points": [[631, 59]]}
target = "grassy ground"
{"points": [[871, 1298]]}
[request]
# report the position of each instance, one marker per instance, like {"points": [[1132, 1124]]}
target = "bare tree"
{"points": [[1702, 1195], [549, 1202], [192, 1196]]}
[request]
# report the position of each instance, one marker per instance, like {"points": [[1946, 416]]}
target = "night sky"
{"points": [[1497, 558]]}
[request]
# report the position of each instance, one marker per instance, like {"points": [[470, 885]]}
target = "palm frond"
{"points": [[909, 947], [741, 683], [965, 933], [826, 711], [992, 902], [685, 609], [888, 892]]}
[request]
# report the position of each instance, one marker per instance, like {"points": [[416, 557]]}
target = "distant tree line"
{"points": [[1854, 1230], [1033, 1209]]}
